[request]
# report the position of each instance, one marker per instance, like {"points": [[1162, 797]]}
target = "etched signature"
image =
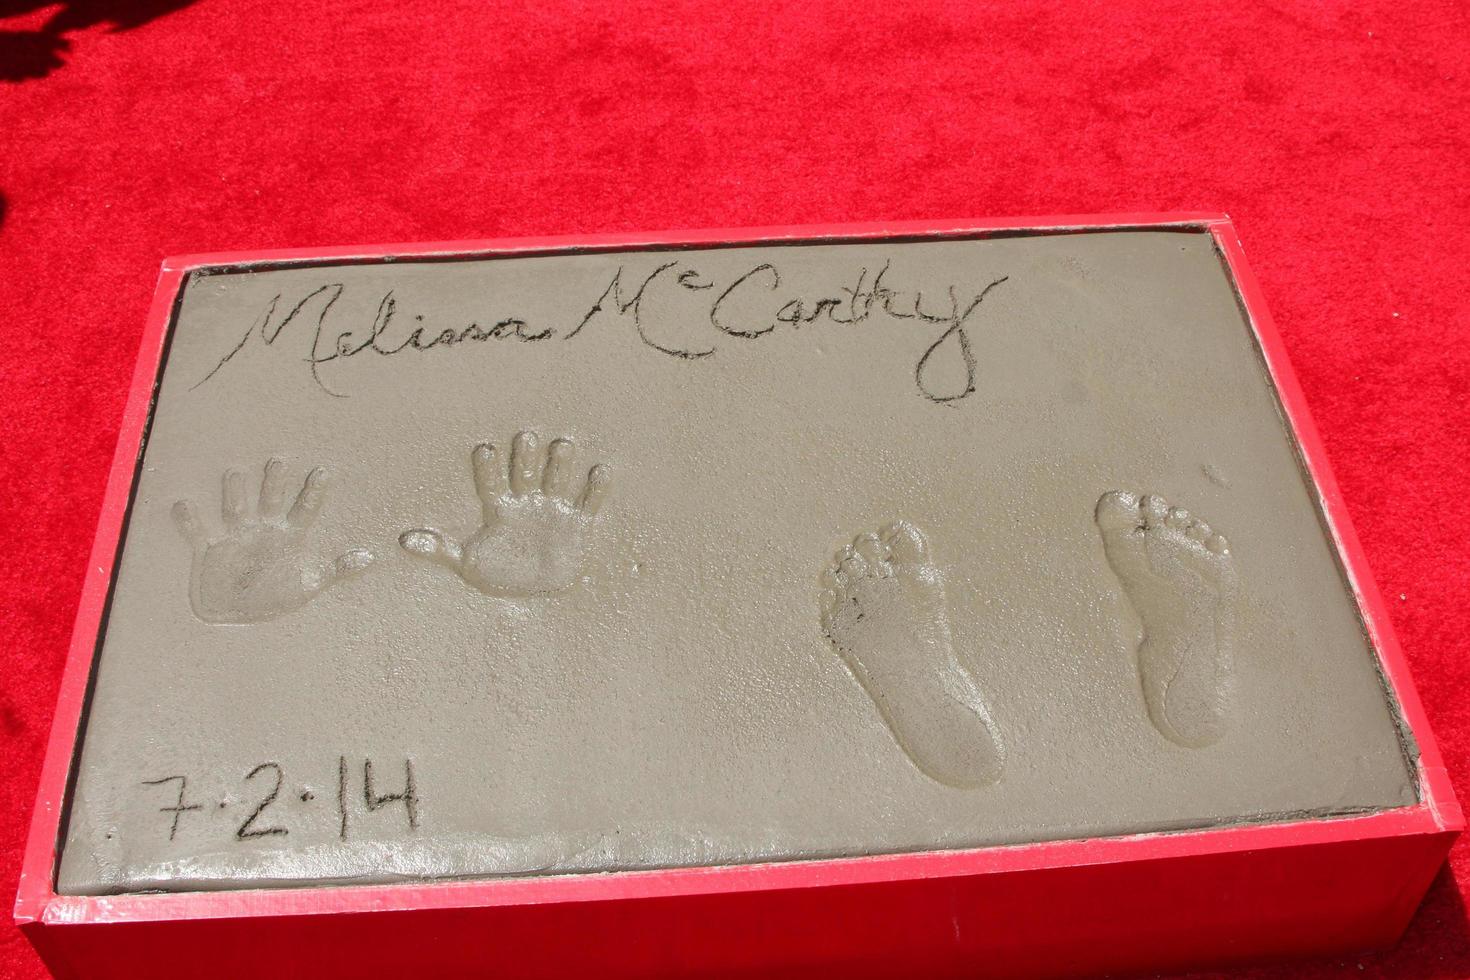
{"points": [[747, 308]]}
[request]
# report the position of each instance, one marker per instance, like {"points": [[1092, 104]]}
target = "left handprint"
{"points": [[261, 567]]}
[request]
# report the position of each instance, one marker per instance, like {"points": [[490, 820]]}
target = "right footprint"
{"points": [[1180, 578], [883, 608]]}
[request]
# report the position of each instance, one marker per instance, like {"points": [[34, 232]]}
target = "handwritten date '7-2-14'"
{"points": [[656, 304], [360, 793]]}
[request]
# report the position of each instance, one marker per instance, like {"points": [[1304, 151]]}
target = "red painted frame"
{"points": [[1413, 839]]}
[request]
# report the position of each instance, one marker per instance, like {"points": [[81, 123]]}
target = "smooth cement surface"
{"points": [[643, 559]]}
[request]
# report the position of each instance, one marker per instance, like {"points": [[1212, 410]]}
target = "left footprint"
{"points": [[260, 567], [883, 608]]}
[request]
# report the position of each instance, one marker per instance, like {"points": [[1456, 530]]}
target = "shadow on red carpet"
{"points": [[36, 53]]}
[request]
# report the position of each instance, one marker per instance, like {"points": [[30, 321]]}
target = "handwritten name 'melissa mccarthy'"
{"points": [[749, 307]]}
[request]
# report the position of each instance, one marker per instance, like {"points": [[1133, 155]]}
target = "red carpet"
{"points": [[1337, 139]]}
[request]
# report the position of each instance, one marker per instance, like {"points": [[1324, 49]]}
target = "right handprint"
{"points": [[1180, 577], [533, 533]]}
